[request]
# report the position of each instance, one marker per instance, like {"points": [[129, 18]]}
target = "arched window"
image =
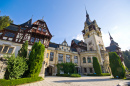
{"points": [[89, 60], [84, 60]]}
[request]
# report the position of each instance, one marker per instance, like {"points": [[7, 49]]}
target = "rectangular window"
{"points": [[9, 34], [29, 52], [67, 58], [60, 57], [51, 56], [89, 60], [32, 39], [44, 30], [10, 50], [37, 40], [40, 29], [1, 48], [5, 49], [91, 71], [75, 59], [85, 70], [47, 55]]}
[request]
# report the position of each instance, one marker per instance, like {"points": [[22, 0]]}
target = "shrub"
{"points": [[75, 75], [4, 82], [102, 74], [23, 51], [16, 67], [96, 66], [36, 59], [67, 67], [69, 75], [116, 65]]}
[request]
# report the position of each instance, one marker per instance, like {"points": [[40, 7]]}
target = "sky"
{"points": [[65, 18]]}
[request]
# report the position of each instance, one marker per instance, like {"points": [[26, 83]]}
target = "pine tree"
{"points": [[23, 51], [36, 59], [116, 65], [96, 66]]}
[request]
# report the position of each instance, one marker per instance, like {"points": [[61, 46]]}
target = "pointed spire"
{"points": [[110, 36]]}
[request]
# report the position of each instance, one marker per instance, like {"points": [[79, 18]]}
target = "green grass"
{"points": [[102, 74], [69, 75], [4, 82]]}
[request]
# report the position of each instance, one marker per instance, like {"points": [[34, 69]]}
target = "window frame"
{"points": [[89, 60], [9, 49], [75, 59], [84, 60], [68, 60], [51, 56], [60, 56]]}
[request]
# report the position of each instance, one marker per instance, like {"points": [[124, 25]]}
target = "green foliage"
{"points": [[16, 66], [102, 74], [69, 75], [67, 67], [5, 22], [4, 82], [23, 51], [75, 75], [36, 59], [116, 65], [126, 55], [96, 66]]}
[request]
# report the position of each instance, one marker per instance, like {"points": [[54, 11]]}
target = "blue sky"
{"points": [[65, 18]]}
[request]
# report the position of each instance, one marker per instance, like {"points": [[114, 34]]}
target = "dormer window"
{"points": [[39, 28], [44, 30]]}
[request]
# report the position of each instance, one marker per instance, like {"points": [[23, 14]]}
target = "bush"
{"points": [[117, 68], [23, 51], [102, 74], [16, 66], [36, 59], [67, 67], [96, 66], [75, 75], [69, 75], [4, 82]]}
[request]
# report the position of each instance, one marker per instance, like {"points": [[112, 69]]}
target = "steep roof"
{"points": [[76, 41], [112, 48], [27, 24], [54, 45]]}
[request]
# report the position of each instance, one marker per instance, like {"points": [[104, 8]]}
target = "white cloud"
{"points": [[78, 37]]}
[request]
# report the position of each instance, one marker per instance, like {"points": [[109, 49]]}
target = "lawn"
{"points": [[15, 82]]}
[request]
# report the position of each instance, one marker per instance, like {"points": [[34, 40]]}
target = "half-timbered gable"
{"points": [[38, 31]]}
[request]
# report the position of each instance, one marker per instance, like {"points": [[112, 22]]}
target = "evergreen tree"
{"points": [[36, 59], [96, 66], [5, 22], [116, 65], [23, 51], [16, 66]]}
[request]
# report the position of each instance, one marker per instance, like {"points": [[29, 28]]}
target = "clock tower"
{"points": [[93, 38]]}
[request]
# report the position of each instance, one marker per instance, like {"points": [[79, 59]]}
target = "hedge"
{"points": [[96, 66], [117, 68], [69, 75], [102, 74], [4, 82]]}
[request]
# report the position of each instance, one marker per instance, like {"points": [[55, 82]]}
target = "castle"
{"points": [[80, 52]]}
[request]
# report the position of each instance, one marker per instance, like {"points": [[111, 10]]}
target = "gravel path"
{"points": [[82, 81]]}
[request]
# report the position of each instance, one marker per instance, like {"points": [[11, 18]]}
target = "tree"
{"points": [[16, 67], [23, 51], [36, 59], [96, 66], [5, 22], [126, 55], [117, 68]]}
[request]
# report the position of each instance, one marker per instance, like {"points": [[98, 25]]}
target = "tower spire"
{"points": [[110, 36]]}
